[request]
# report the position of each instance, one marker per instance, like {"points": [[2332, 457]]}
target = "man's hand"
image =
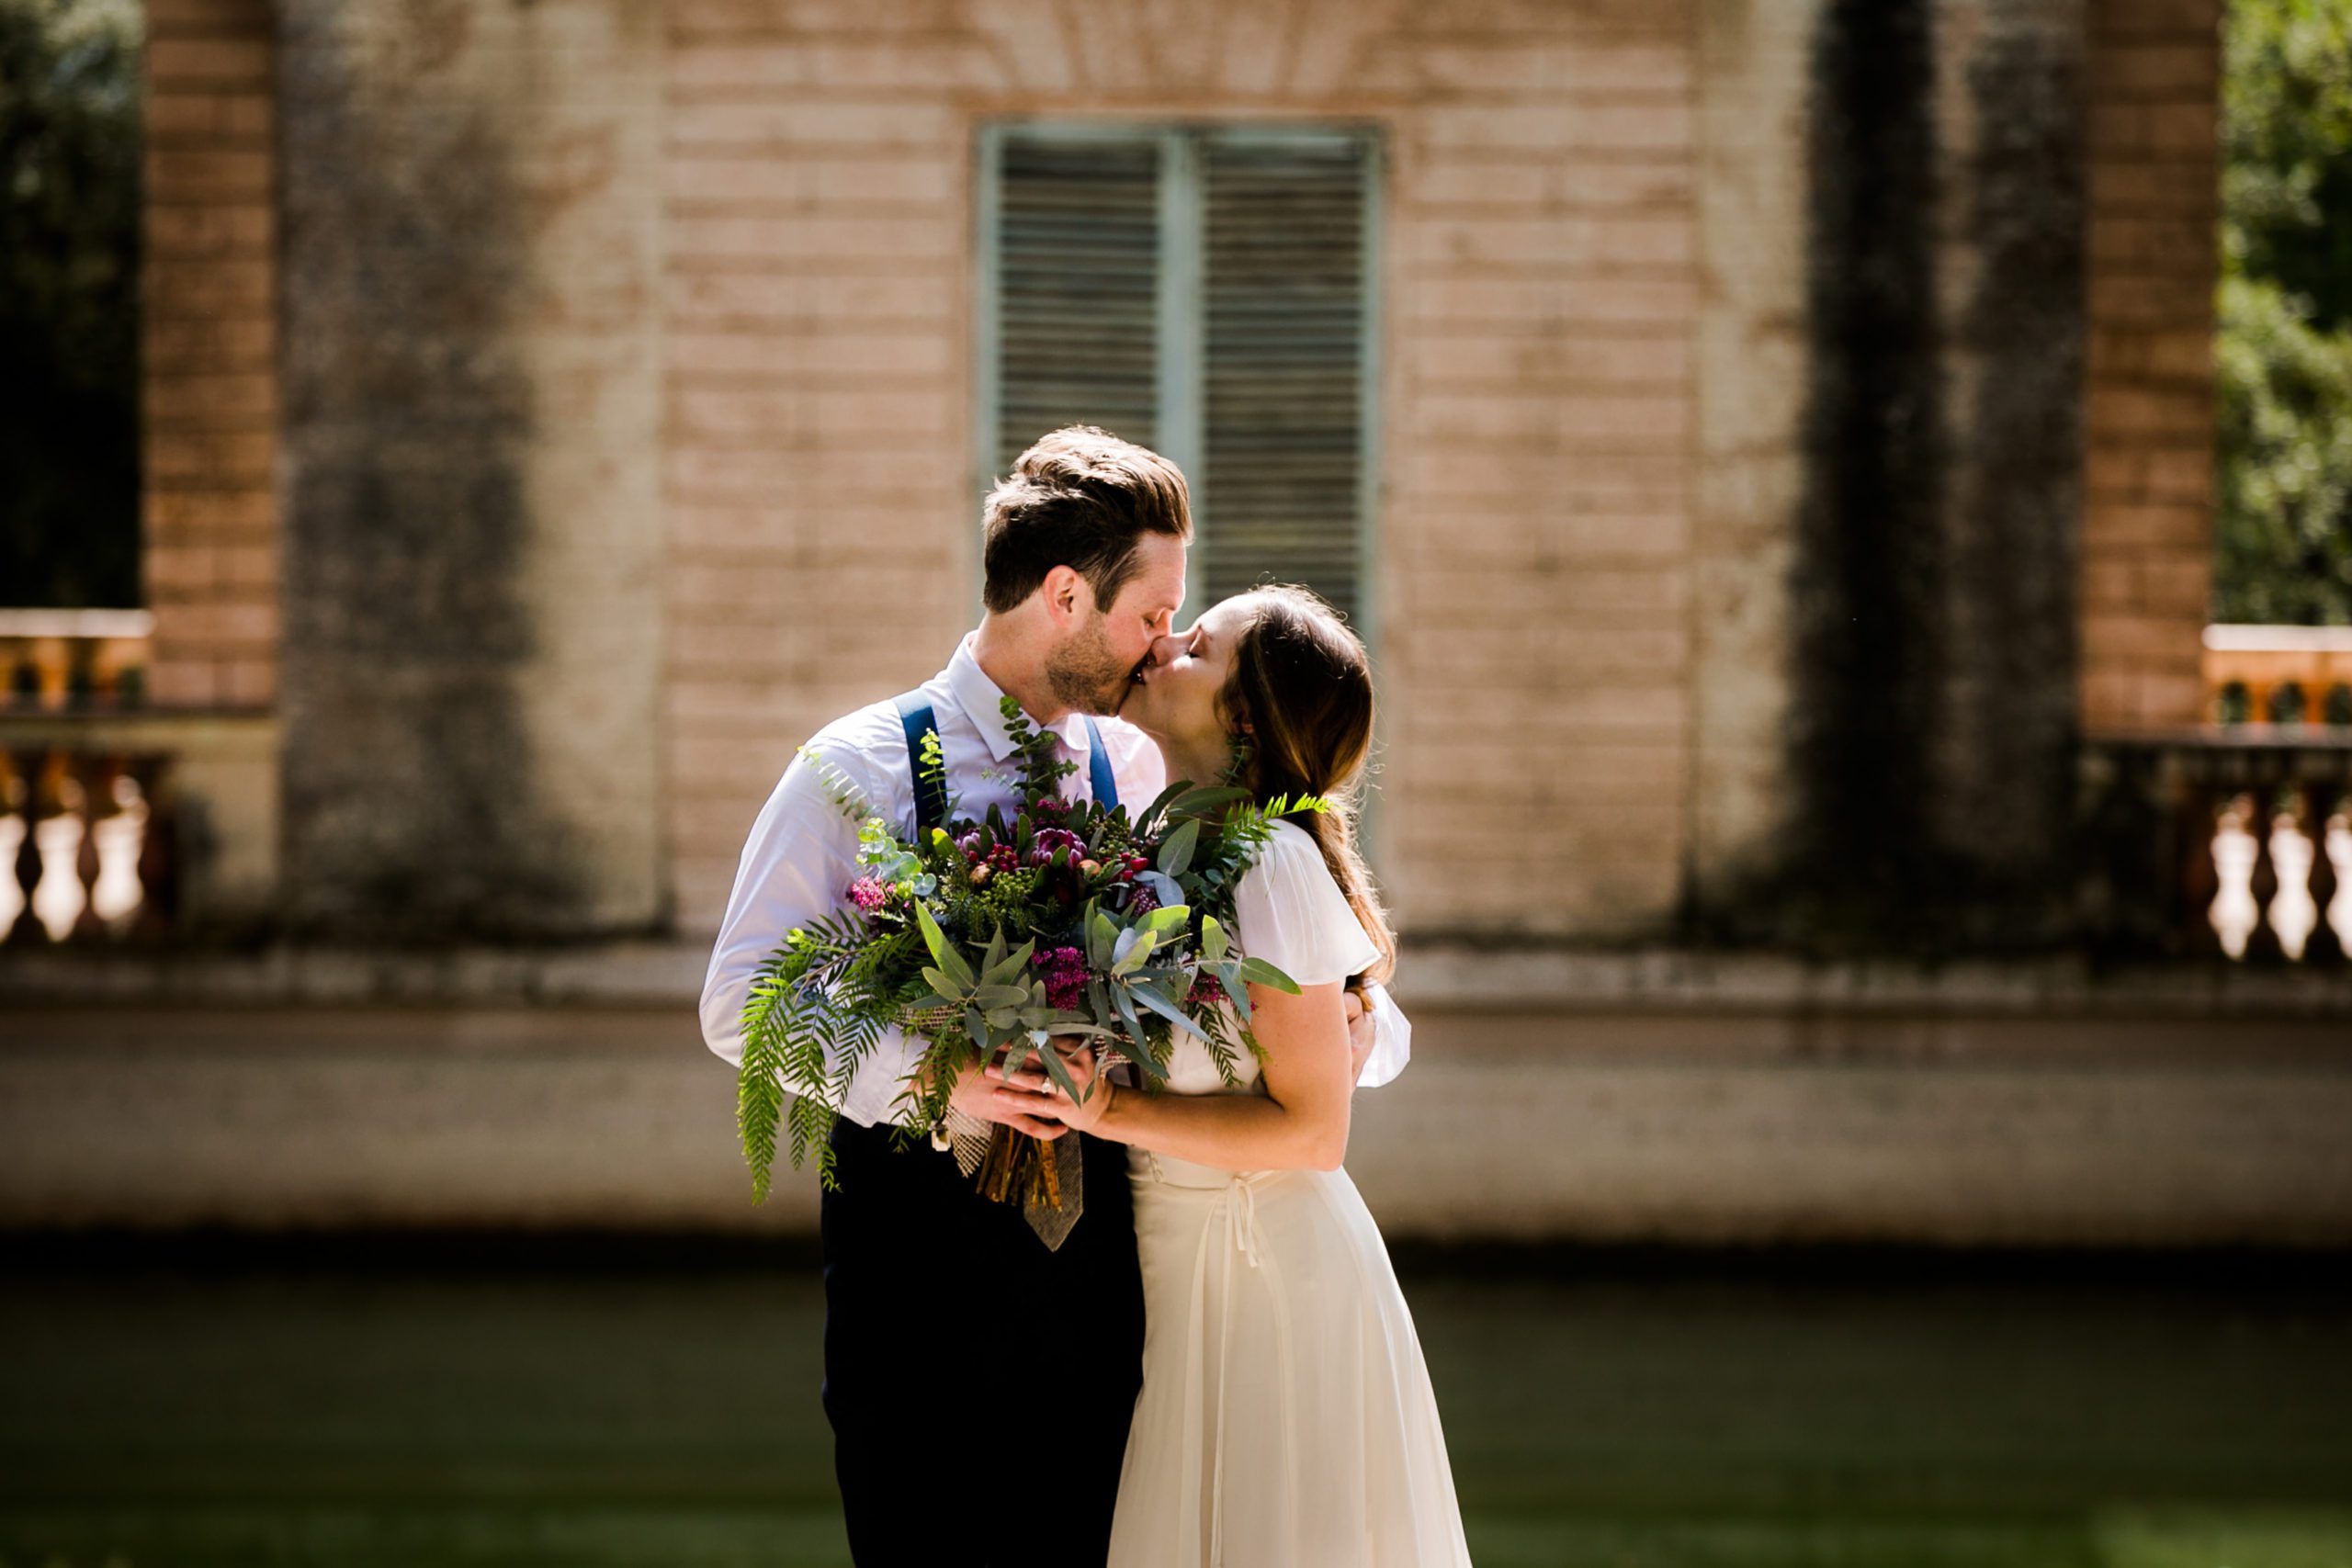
{"points": [[1360, 1033], [1024, 1102]]}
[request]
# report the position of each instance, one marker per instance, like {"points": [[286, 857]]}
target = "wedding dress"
{"points": [[1286, 1419]]}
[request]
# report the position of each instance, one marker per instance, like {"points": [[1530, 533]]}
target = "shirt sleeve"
{"points": [[797, 865], [1288, 910], [1392, 1038]]}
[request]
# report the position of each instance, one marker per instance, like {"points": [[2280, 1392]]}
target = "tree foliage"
{"points": [[2284, 356], [69, 318]]}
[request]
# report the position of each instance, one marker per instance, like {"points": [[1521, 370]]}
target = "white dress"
{"points": [[1286, 1419]]}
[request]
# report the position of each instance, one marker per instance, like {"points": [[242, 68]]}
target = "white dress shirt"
{"points": [[802, 854]]}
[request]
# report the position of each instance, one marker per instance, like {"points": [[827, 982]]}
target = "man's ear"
{"points": [[1067, 594]]}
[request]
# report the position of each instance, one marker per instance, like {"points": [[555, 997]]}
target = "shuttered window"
{"points": [[1206, 291]]}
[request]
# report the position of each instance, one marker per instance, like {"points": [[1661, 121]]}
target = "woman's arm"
{"points": [[1299, 1123]]}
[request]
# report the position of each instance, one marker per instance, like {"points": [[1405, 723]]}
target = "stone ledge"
{"points": [[1452, 977]]}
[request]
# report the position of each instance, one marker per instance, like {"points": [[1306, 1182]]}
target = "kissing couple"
{"points": [[1218, 1360]]}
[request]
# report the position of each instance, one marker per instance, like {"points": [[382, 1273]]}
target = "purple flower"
{"points": [[1141, 900], [869, 893], [1046, 840], [1064, 970]]}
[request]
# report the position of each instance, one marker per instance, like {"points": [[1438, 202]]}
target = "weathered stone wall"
{"points": [[1750, 521], [1751, 1119], [2148, 411], [1887, 685], [208, 341], [1538, 294], [471, 437]]}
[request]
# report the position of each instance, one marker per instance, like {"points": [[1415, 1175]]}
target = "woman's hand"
{"points": [[1045, 1099]]}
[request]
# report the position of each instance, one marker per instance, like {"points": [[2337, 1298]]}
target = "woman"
{"points": [[1286, 1419]]}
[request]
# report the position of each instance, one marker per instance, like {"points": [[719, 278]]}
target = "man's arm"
{"points": [[797, 865]]}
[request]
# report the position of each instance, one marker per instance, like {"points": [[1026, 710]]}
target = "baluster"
{"points": [[2292, 913], [158, 853], [2196, 879], [31, 771], [2323, 810], [2229, 912], [2262, 942], [95, 776]]}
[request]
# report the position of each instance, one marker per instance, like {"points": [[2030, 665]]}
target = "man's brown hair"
{"points": [[1083, 498]]}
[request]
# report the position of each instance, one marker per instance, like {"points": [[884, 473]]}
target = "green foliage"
{"points": [[943, 947], [2285, 411], [68, 320], [2284, 352]]}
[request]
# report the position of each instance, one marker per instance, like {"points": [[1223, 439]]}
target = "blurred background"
{"points": [[1850, 502]]}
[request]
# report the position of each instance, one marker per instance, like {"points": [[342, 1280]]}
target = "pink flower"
{"points": [[869, 893], [1205, 989], [1046, 840], [1142, 901], [1064, 970]]}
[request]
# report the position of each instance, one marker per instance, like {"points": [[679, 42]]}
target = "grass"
{"points": [[371, 1411]]}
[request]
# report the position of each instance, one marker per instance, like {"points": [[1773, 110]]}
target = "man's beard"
{"points": [[1087, 677]]}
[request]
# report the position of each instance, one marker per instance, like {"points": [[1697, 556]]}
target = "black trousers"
{"points": [[964, 1360]]}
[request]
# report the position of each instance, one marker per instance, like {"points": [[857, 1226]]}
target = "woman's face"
{"points": [[1174, 699]]}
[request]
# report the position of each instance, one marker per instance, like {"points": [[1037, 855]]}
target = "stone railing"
{"points": [[74, 660], [2226, 844], [134, 825], [85, 846], [2281, 675]]}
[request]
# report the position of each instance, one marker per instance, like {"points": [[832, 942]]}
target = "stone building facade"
{"points": [[1794, 422], [1785, 502]]}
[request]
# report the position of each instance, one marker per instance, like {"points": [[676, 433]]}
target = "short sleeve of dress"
{"points": [[1289, 911]]}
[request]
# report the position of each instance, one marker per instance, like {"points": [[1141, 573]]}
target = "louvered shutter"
{"points": [[1077, 287], [1204, 293], [1284, 268]]}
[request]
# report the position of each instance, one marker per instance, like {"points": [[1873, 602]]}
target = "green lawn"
{"points": [[369, 1414]]}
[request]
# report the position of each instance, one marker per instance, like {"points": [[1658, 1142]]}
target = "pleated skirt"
{"points": [[1286, 1419]]}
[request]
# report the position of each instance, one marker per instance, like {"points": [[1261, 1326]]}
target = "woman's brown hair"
{"points": [[1301, 687]]}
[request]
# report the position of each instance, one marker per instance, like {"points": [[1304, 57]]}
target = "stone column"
{"points": [[471, 201]]}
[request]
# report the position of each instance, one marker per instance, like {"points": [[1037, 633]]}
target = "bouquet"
{"points": [[985, 939]]}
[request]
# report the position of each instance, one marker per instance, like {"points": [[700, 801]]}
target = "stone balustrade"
{"points": [[2289, 675], [85, 846], [2222, 845], [68, 660]]}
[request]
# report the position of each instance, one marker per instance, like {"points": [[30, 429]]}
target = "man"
{"points": [[938, 1303]]}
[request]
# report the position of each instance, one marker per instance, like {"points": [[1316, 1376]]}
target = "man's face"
{"points": [[1093, 669]]}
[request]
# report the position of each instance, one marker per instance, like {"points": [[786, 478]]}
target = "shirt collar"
{"points": [[981, 698]]}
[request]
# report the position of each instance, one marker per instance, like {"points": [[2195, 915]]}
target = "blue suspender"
{"points": [[930, 789], [1099, 774]]}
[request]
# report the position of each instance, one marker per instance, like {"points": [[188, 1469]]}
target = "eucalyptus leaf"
{"points": [[947, 988], [1197, 803], [1007, 973], [1212, 942], [1058, 1071], [1257, 971], [1176, 854], [1169, 1010], [932, 937], [1164, 888], [1132, 951], [1160, 803]]}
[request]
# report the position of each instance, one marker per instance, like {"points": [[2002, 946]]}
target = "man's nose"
{"points": [[1165, 647]]}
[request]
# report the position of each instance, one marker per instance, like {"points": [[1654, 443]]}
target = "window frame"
{"points": [[1181, 318]]}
